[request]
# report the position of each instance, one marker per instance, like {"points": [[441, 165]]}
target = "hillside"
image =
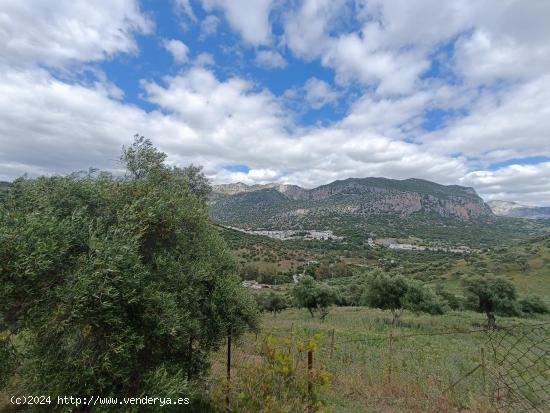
{"points": [[515, 209], [359, 207]]}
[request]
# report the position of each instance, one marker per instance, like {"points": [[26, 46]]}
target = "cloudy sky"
{"points": [[302, 92]]}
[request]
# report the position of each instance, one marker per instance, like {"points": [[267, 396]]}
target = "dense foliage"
{"points": [[490, 294], [396, 293], [114, 286], [314, 296]]}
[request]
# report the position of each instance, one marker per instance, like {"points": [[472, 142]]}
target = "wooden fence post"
{"points": [[483, 367], [332, 344], [390, 355], [228, 409], [309, 374]]}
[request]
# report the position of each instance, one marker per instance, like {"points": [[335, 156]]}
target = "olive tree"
{"points": [[491, 295], [115, 286], [396, 293], [315, 296]]}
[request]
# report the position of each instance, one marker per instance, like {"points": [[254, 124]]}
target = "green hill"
{"points": [[361, 207]]}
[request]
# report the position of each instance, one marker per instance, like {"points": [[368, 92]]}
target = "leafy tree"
{"points": [[275, 303], [314, 296], [311, 270], [142, 159], [533, 304], [119, 279], [421, 298], [387, 293], [454, 302], [490, 294], [396, 293]]}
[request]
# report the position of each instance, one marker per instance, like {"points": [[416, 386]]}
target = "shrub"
{"points": [[533, 305], [277, 381], [274, 303]]}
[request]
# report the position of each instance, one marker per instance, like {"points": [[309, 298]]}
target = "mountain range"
{"points": [[518, 210], [356, 207]]}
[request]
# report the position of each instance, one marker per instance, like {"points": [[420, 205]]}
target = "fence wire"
{"points": [[508, 366], [520, 368]]}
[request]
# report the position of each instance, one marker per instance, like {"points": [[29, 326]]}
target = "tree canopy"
{"points": [[114, 286], [396, 293], [491, 294], [315, 296]]}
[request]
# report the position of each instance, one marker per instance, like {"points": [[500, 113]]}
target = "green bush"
{"points": [[396, 293], [491, 295], [276, 381], [110, 284], [315, 296], [533, 304], [273, 302]]}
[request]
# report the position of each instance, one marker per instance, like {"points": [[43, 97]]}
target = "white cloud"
{"points": [[308, 27], [497, 51], [270, 59], [358, 57], [319, 93], [55, 127], [60, 32], [511, 123], [205, 59], [177, 49], [250, 18], [209, 26], [526, 183], [186, 8]]}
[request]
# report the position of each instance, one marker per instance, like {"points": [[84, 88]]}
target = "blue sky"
{"points": [[301, 92]]}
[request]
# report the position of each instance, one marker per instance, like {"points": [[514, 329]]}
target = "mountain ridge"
{"points": [[240, 187], [354, 206], [518, 210]]}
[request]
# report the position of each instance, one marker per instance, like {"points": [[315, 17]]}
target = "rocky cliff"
{"points": [[352, 203]]}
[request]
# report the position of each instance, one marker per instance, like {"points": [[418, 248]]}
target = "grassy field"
{"points": [[371, 372], [527, 264]]}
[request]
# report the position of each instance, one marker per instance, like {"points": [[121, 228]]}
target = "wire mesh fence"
{"points": [[519, 367], [508, 367]]}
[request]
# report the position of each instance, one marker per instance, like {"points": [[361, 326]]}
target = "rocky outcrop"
{"points": [[362, 198]]}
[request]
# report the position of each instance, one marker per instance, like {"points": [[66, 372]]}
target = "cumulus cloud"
{"points": [[511, 123], [209, 26], [177, 49], [60, 32], [270, 59], [319, 93], [493, 95], [250, 18], [203, 120], [526, 183]]}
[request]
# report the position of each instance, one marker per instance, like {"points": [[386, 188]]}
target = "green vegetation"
{"points": [[314, 296], [355, 208], [114, 286], [490, 295], [424, 363], [127, 281], [276, 381]]}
